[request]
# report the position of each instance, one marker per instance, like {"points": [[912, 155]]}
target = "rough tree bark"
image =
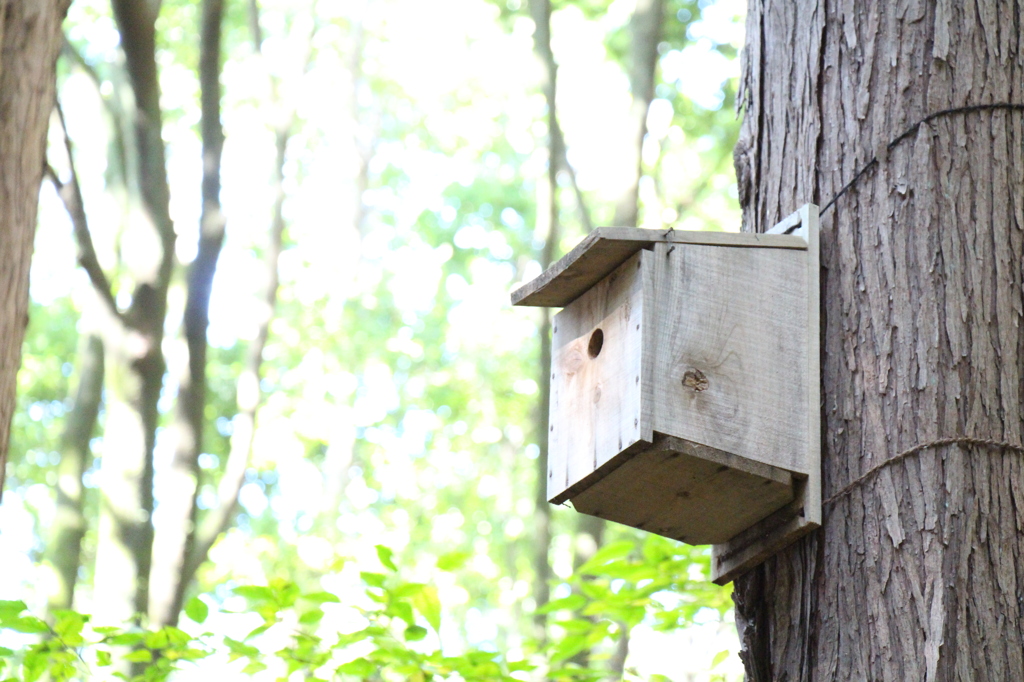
{"points": [[30, 40], [918, 571]]}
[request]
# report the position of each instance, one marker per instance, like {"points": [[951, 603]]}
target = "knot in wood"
{"points": [[695, 379]]}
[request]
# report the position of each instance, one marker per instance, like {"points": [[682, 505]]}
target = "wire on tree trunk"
{"points": [[912, 130], [986, 443]]}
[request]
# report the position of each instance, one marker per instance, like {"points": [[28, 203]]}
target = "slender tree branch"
{"points": [[582, 207], [219, 519], [70, 194], [248, 392], [110, 102]]}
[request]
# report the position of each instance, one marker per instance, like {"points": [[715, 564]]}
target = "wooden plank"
{"points": [[750, 548], [730, 364], [596, 387], [605, 248], [688, 492]]}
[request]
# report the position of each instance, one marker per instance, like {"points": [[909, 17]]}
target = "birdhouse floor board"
{"points": [[605, 248], [679, 489]]}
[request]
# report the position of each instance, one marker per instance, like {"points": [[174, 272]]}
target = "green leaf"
{"points": [[28, 625], [407, 590], [373, 579], [321, 598], [11, 608], [240, 648], [140, 656], [570, 603], [257, 631], [453, 560], [103, 658], [311, 617], [255, 593], [197, 610], [719, 657], [360, 667], [175, 636], [386, 557], [156, 640], [607, 554], [415, 633], [428, 604], [254, 667], [124, 639]]}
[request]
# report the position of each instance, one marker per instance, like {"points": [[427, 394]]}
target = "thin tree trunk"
{"points": [[30, 40], [645, 33], [64, 546], [248, 393], [135, 363], [547, 218], [175, 536], [917, 572]]}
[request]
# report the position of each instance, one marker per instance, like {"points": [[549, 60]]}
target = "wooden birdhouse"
{"points": [[685, 384]]}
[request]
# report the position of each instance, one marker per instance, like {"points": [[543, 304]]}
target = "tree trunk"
{"points": [[174, 538], [64, 545], [248, 393], [645, 34], [30, 40], [548, 224], [917, 571], [135, 362]]}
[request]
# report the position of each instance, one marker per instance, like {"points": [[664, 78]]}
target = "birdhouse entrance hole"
{"points": [[596, 342]]}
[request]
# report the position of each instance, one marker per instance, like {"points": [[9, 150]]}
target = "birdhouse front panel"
{"points": [[597, 367]]}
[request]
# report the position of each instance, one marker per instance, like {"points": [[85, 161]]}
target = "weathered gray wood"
{"points": [[606, 248], [730, 350], [687, 492], [596, 398]]}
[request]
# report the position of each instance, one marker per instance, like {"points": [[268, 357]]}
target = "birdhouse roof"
{"points": [[606, 248]]}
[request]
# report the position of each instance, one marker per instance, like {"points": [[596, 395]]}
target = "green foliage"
{"points": [[389, 629], [390, 643]]}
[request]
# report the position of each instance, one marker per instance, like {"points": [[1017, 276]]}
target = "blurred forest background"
{"points": [[270, 340]]}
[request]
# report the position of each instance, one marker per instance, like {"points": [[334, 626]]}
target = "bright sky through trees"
{"points": [[394, 355]]}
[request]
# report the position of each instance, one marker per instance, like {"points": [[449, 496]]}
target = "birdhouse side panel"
{"points": [[598, 377], [730, 351]]}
